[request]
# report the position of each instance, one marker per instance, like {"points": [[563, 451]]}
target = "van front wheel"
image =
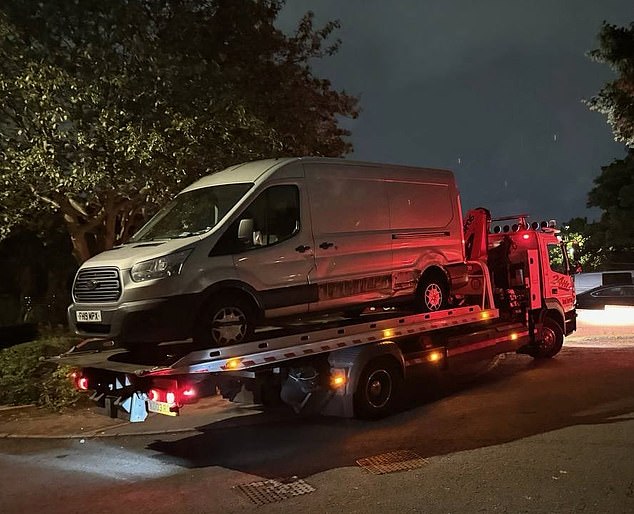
{"points": [[226, 321]]}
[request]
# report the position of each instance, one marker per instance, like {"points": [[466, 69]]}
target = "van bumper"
{"points": [[144, 321]]}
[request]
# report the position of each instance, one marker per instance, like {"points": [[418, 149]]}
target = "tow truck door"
{"points": [[557, 283]]}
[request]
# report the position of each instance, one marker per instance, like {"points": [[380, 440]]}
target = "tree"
{"points": [[609, 243], [109, 108], [613, 193], [585, 243], [616, 99]]}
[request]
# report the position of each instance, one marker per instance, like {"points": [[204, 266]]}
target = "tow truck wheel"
{"points": [[432, 293], [378, 390], [551, 340], [225, 321]]}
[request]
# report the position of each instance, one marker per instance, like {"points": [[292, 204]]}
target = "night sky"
{"points": [[490, 89]]}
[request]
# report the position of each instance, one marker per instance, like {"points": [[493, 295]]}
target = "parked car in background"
{"points": [[599, 297]]}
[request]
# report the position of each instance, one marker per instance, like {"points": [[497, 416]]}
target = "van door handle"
{"points": [[325, 245], [302, 248]]}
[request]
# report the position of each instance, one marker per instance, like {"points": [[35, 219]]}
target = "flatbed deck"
{"points": [[269, 348]]}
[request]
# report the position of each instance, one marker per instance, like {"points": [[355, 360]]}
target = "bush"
{"points": [[25, 377]]}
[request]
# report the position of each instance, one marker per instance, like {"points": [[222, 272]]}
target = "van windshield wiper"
{"points": [[195, 233]]}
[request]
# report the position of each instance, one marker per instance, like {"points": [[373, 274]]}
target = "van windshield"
{"points": [[192, 213]]}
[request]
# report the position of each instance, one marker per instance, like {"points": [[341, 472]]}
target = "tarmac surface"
{"points": [[87, 422], [595, 328]]}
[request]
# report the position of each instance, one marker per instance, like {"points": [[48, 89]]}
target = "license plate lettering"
{"points": [[160, 408], [89, 316]]}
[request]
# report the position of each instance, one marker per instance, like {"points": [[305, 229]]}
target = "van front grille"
{"points": [[94, 285]]}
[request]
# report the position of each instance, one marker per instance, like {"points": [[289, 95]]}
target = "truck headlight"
{"points": [[161, 267]]}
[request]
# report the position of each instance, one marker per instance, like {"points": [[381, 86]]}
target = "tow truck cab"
{"points": [[528, 263]]}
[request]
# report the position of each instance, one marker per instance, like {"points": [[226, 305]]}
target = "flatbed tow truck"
{"points": [[519, 298]]}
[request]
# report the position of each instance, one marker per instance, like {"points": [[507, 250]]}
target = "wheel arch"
{"points": [[554, 311], [234, 286], [434, 269], [357, 358]]}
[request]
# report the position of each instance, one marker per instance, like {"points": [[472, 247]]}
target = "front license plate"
{"points": [[89, 316], [160, 408]]}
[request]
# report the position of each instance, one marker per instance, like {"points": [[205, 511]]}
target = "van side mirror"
{"points": [[245, 230]]}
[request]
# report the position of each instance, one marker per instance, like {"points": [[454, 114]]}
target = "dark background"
{"points": [[491, 89]]}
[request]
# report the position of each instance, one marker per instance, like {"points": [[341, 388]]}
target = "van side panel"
{"points": [[350, 218], [377, 228], [420, 206], [425, 223]]}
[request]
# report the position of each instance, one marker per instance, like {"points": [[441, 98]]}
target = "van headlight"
{"points": [[161, 267]]}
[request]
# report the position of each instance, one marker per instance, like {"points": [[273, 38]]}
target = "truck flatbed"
{"points": [[179, 358]]}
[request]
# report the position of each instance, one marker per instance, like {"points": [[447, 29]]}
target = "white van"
{"points": [[276, 238], [586, 281]]}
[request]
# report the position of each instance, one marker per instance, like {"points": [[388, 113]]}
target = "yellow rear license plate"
{"points": [[161, 408]]}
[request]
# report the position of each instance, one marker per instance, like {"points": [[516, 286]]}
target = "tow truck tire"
{"points": [[551, 340], [378, 390], [432, 293], [227, 320]]}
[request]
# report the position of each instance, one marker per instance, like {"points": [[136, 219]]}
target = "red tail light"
{"points": [[170, 397], [154, 395], [82, 383], [190, 392]]}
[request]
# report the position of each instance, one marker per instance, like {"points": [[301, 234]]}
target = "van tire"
{"points": [[432, 293], [227, 319], [378, 390]]}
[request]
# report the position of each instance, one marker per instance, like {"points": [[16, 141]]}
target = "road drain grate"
{"points": [[272, 491], [400, 460]]}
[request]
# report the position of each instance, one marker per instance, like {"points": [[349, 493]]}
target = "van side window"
{"points": [[275, 215]]}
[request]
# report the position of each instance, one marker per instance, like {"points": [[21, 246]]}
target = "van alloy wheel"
{"points": [[432, 293], [227, 319], [433, 297], [228, 326]]}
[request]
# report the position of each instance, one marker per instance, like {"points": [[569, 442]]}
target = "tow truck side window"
{"points": [[557, 259]]}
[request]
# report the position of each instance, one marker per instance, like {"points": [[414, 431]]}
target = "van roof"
{"points": [[254, 171]]}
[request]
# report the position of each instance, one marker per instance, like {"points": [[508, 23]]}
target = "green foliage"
{"points": [[609, 242], [614, 194], [26, 378], [616, 99], [584, 243], [110, 108]]}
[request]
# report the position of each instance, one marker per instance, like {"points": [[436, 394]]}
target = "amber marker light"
{"points": [[233, 364], [514, 337], [434, 357], [338, 380], [484, 315]]}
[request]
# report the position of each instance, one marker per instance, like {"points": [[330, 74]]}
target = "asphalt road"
{"points": [[554, 436]]}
